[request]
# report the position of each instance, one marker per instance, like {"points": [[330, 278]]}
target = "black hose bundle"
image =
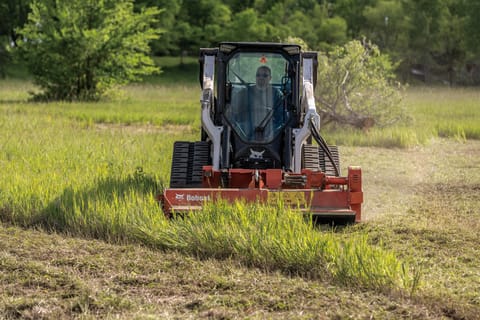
{"points": [[323, 145]]}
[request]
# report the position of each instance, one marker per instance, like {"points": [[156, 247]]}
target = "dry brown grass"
{"points": [[48, 276]]}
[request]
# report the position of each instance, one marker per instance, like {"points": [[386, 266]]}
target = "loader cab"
{"points": [[257, 103], [255, 100]]}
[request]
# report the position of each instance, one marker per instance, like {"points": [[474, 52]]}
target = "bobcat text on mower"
{"points": [[260, 137]]}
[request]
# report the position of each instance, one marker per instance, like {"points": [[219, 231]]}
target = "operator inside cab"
{"points": [[265, 105], [256, 109]]}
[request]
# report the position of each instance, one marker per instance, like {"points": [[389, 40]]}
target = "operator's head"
{"points": [[263, 76]]}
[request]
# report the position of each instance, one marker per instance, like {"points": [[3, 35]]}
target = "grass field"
{"points": [[87, 175]]}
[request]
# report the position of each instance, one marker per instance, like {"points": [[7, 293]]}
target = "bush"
{"points": [[80, 49], [356, 87]]}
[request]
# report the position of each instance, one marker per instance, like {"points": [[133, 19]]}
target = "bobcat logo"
{"points": [[256, 154], [180, 196]]}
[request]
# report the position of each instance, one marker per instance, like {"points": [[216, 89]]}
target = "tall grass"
{"points": [[276, 238], [61, 184], [45, 158], [394, 137], [450, 112]]}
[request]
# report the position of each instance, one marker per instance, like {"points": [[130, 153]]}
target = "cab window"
{"points": [[258, 92]]}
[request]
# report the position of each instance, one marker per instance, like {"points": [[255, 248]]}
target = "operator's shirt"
{"points": [[262, 101]]}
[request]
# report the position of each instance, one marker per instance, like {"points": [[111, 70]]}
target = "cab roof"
{"points": [[227, 47]]}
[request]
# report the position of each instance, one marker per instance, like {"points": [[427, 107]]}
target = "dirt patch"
{"points": [[394, 179]]}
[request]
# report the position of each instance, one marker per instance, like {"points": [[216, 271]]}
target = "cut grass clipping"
{"points": [[277, 238]]}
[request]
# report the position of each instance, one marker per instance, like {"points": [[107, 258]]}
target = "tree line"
{"points": [[432, 40]]}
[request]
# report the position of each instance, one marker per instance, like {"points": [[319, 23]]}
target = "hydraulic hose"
{"points": [[324, 146]]}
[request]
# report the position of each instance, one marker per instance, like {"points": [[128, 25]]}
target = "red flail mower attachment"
{"points": [[326, 198]]}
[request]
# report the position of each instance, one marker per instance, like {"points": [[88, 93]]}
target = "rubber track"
{"points": [[187, 162], [315, 159], [311, 159]]}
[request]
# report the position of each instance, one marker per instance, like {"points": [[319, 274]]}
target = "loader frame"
{"points": [[303, 175]]}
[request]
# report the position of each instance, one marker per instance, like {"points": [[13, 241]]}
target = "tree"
{"points": [[13, 14], [472, 24], [451, 49], [205, 23], [167, 22], [355, 87], [333, 31], [352, 12], [469, 10], [79, 49], [239, 5], [425, 16], [278, 18], [437, 41], [246, 26], [386, 25]]}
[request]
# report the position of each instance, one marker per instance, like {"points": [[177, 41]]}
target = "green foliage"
{"points": [[82, 49], [472, 25], [440, 36], [356, 87], [332, 31], [298, 41], [4, 59], [352, 12], [12, 14], [246, 26], [386, 26], [166, 19]]}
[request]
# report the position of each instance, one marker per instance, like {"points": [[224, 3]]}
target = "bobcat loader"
{"points": [[260, 138]]}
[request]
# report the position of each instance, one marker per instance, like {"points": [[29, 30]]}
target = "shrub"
{"points": [[355, 86], [79, 49]]}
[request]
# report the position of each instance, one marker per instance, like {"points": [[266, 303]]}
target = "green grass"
{"points": [[448, 112], [101, 182], [275, 238], [432, 113], [93, 170]]}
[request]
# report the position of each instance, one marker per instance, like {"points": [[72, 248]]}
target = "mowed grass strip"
{"points": [[52, 276]]}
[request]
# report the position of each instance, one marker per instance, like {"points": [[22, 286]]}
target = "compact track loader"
{"points": [[260, 137]]}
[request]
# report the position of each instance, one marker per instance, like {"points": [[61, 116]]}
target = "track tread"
{"points": [[325, 163], [311, 159], [187, 162]]}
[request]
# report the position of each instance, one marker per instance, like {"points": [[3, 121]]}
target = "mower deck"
{"points": [[320, 195]]}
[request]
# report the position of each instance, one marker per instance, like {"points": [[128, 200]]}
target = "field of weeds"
{"points": [[81, 235]]}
